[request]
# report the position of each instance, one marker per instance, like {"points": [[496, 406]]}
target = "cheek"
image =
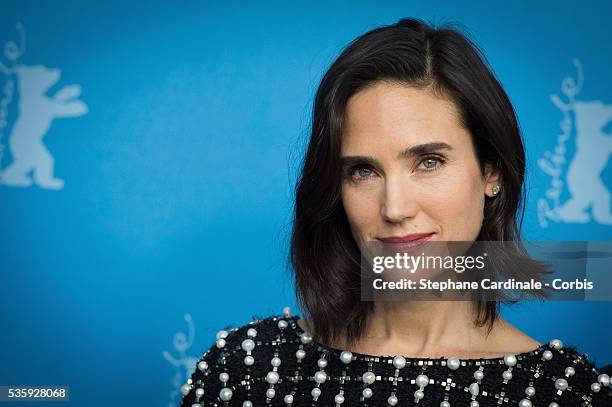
{"points": [[457, 205], [361, 208]]}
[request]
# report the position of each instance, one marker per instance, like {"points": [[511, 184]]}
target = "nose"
{"points": [[398, 203]]}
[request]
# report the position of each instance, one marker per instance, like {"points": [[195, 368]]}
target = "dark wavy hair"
{"points": [[324, 256]]}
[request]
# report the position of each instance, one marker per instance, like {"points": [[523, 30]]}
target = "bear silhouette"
{"points": [[36, 112], [593, 149]]}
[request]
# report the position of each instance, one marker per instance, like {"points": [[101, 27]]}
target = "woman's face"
{"points": [[408, 166]]}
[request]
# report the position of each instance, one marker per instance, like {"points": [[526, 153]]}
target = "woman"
{"points": [[413, 140]]}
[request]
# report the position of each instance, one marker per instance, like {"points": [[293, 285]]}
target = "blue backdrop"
{"points": [[165, 140]]}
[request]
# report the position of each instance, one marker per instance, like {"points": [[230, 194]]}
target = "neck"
{"points": [[427, 329]]}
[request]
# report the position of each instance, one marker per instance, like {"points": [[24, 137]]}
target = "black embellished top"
{"points": [[272, 361]]}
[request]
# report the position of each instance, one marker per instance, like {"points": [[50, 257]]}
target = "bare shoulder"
{"points": [[509, 338]]}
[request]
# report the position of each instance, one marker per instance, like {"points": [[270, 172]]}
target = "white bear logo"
{"points": [[36, 112], [593, 149], [583, 175]]}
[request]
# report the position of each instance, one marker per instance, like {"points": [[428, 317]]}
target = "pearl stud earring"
{"points": [[496, 189]]}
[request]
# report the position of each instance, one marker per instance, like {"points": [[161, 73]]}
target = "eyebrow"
{"points": [[410, 152]]}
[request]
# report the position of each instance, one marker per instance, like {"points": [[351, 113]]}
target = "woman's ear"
{"points": [[493, 181]]}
